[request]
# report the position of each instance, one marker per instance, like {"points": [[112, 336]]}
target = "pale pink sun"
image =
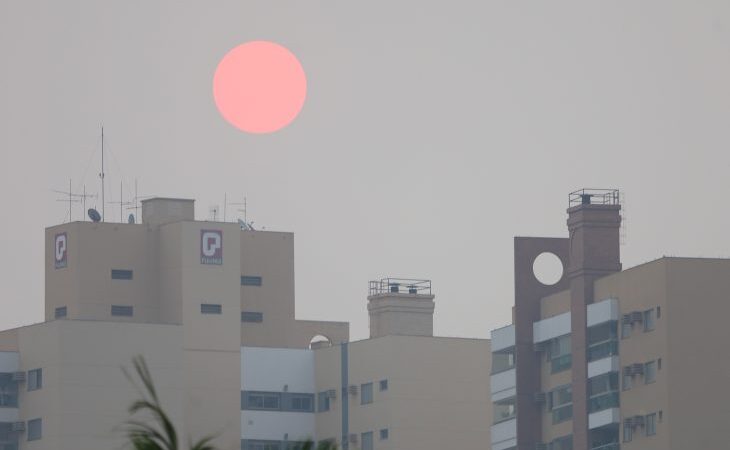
{"points": [[259, 87]]}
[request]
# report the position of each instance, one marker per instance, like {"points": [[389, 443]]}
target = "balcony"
{"points": [[504, 435], [602, 418], [603, 311], [503, 338], [602, 366], [551, 328], [503, 385]]}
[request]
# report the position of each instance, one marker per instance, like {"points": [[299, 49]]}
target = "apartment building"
{"points": [[608, 359], [211, 308]]}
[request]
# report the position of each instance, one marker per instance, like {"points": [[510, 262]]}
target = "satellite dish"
{"points": [[94, 215], [130, 219]]}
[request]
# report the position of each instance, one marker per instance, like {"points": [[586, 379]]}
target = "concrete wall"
{"points": [[639, 289], [84, 398], [438, 395], [697, 366]]}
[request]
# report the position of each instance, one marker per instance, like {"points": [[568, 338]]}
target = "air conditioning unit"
{"points": [[541, 446], [539, 397], [353, 389], [637, 369], [18, 376], [629, 423], [626, 319], [627, 371], [17, 426], [638, 421], [538, 347], [332, 393], [637, 316], [353, 438]]}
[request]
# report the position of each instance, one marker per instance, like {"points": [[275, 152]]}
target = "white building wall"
{"points": [[277, 426], [270, 369]]}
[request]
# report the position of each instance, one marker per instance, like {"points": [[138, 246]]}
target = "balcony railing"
{"points": [[400, 286]]}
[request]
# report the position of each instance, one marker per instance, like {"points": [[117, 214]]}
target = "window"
{"points": [[602, 341], [503, 360], [211, 308], [366, 393], [649, 320], [658, 312], [562, 443], [651, 424], [35, 379], [8, 391], [625, 329], [118, 274], [504, 409], [60, 312], [299, 402], [253, 400], [252, 317], [323, 401], [659, 364], [247, 280], [383, 385], [35, 429], [124, 311], [628, 432], [627, 381], [251, 444], [366, 441], [650, 372], [559, 354], [560, 402], [384, 434], [603, 392]]}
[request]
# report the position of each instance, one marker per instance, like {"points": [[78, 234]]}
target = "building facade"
{"points": [[211, 308], [609, 359]]}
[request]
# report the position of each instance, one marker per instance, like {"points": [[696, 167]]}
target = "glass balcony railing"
{"points": [[602, 350]]}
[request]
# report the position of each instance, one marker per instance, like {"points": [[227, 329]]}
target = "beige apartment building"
{"points": [[211, 307], [609, 359]]}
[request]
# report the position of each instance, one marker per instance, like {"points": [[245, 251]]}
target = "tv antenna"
{"points": [[73, 197], [135, 204], [225, 205], [121, 202]]}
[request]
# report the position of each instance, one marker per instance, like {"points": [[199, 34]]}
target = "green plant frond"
{"points": [[203, 444]]}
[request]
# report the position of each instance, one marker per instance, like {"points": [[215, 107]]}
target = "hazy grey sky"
{"points": [[433, 132]]}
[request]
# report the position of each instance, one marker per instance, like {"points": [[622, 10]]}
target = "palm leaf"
{"points": [[161, 434]]}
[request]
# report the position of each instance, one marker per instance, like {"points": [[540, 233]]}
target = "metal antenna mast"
{"points": [[121, 202], [101, 175]]}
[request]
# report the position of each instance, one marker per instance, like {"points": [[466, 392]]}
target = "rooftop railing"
{"points": [[589, 196], [400, 286]]}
